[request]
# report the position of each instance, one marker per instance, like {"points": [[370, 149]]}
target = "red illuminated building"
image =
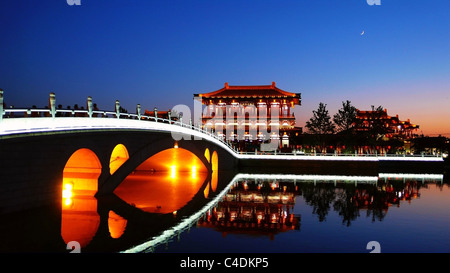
{"points": [[250, 113], [392, 126], [381, 126]]}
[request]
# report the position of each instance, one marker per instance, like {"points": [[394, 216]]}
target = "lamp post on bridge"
{"points": [[89, 106], [169, 114], [117, 109], [52, 102], [138, 111], [156, 114]]}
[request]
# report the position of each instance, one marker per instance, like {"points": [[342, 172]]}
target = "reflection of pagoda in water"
{"points": [[255, 208], [389, 193], [406, 191]]}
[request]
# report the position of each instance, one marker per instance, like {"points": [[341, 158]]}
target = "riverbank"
{"points": [[335, 166]]}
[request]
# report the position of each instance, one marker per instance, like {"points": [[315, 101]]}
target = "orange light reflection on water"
{"points": [[116, 225], [159, 192], [164, 182]]}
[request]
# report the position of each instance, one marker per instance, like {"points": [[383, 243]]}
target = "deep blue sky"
{"points": [[159, 53]]}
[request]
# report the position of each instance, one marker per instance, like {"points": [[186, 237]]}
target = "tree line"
{"points": [[347, 133]]}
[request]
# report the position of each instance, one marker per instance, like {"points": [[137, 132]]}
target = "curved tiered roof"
{"points": [[249, 91]]}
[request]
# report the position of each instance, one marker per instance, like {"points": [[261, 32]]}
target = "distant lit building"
{"points": [[390, 125], [161, 114], [393, 132], [250, 113]]}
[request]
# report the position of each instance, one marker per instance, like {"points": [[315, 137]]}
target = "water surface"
{"points": [[238, 213]]}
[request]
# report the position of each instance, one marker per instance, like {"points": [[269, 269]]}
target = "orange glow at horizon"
{"points": [[429, 109]]}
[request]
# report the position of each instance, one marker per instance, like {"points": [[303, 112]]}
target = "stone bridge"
{"points": [[35, 159]]}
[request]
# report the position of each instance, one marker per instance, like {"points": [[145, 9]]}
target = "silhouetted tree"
{"points": [[344, 205], [321, 122], [345, 117], [345, 120], [321, 125], [320, 198]]}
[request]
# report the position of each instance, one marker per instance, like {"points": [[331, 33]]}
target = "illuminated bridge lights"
{"points": [[15, 126]]}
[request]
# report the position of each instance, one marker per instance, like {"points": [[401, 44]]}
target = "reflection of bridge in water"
{"points": [[264, 204], [114, 224]]}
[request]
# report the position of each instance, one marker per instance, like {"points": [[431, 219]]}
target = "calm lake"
{"points": [[243, 213]]}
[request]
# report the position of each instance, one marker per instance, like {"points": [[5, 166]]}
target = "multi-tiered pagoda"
{"points": [[392, 126], [250, 113]]}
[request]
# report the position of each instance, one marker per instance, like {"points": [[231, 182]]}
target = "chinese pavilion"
{"points": [[250, 113], [392, 126], [377, 121]]}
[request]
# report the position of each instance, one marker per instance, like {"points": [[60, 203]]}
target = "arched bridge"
{"points": [[40, 148]]}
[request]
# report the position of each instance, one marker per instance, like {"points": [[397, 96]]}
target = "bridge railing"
{"points": [[329, 155], [90, 112]]}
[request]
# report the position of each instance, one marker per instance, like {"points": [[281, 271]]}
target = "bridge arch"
{"points": [[207, 155], [81, 172], [118, 156], [215, 170], [214, 161], [167, 181], [165, 160], [154, 145], [79, 220]]}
